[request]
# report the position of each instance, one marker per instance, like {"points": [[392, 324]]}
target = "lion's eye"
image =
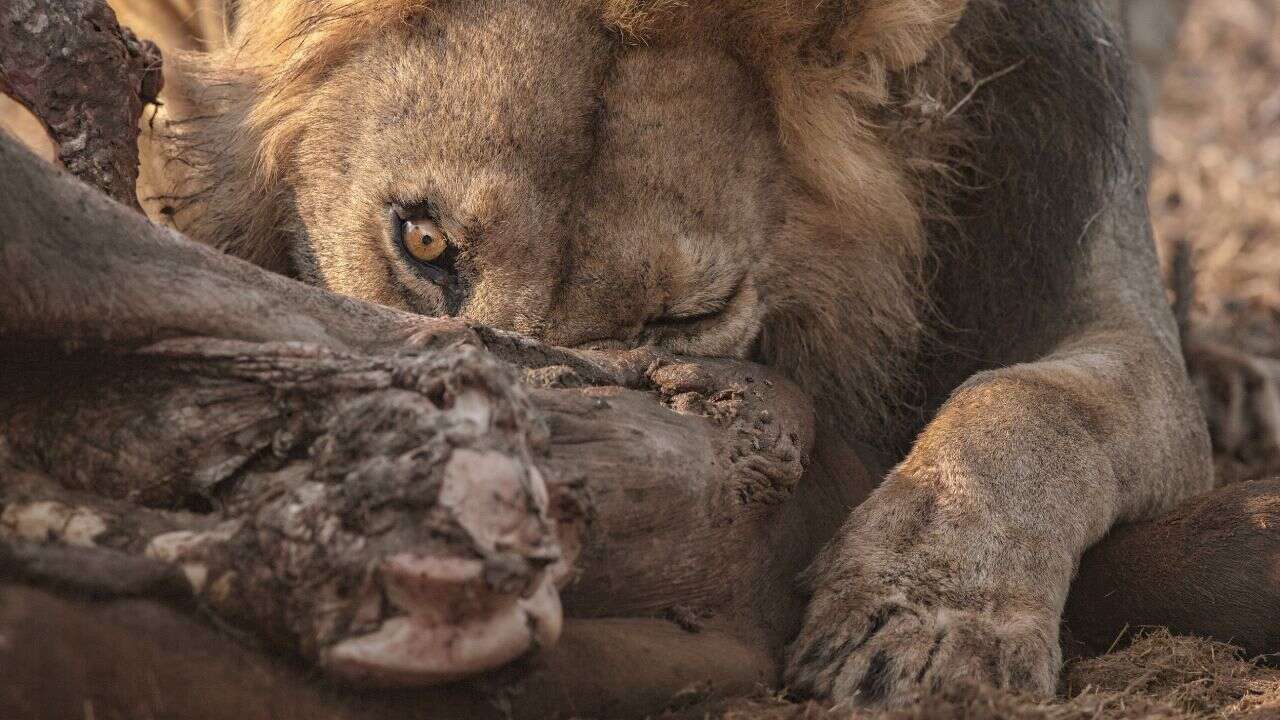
{"points": [[423, 240]]}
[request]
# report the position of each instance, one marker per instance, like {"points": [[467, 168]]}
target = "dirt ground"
{"points": [[1215, 200]]}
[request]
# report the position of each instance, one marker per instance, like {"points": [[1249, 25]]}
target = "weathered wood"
{"points": [[381, 517], [87, 80]]}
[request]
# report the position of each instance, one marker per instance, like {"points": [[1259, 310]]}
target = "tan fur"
{"points": [[892, 214], [843, 188]]}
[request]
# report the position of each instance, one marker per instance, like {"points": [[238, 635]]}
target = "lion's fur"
{"points": [[869, 109], [828, 69]]}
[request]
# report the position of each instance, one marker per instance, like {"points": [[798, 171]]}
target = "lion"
{"points": [[929, 213]]}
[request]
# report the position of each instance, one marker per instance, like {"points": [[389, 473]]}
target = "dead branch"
{"points": [[86, 79]]}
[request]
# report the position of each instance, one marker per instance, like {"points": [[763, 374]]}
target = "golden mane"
{"points": [[825, 63], [828, 68]]}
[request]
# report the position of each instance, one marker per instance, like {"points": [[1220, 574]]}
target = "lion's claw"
{"points": [[884, 653]]}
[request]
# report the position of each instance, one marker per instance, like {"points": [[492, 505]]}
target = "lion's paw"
{"points": [[880, 649]]}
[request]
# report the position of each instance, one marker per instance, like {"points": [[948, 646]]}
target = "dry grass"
{"points": [[1158, 676]]}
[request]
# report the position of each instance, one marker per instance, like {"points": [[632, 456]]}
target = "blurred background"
{"points": [[1216, 139], [1215, 202]]}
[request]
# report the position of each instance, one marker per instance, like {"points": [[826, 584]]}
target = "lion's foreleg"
{"points": [[957, 568]]}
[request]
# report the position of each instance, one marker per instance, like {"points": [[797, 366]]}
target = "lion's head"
{"points": [[707, 177]]}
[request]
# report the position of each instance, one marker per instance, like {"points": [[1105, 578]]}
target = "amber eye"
{"points": [[423, 240], [417, 234]]}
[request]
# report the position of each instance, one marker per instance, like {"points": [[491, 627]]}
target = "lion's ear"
{"points": [[898, 33]]}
